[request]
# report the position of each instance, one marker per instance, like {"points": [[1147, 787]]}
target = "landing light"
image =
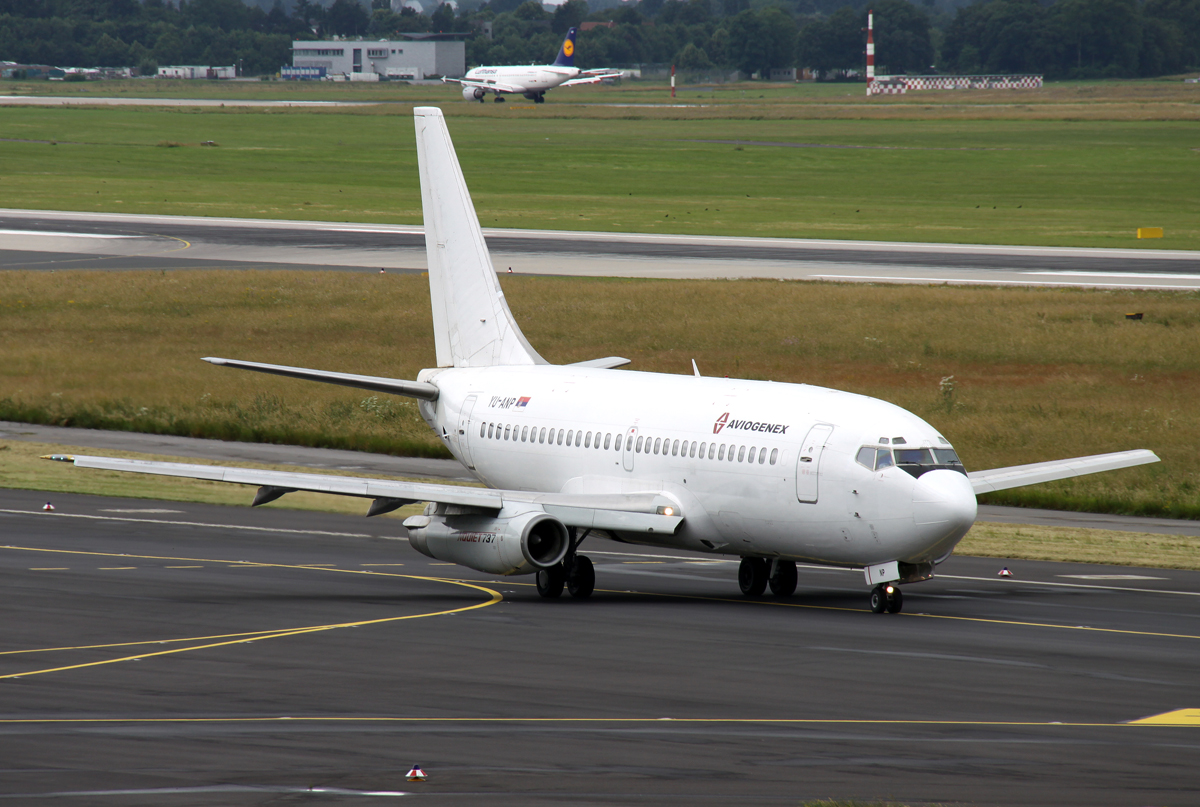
{"points": [[666, 511]]}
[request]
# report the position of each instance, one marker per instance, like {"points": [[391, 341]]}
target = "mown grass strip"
{"points": [[941, 179], [1011, 376]]}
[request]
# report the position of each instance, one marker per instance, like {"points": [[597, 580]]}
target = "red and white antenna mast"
{"points": [[870, 49]]}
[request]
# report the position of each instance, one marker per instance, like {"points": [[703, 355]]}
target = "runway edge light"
{"points": [[1005, 572], [416, 774]]}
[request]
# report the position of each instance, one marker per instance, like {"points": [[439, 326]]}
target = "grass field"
{"points": [[21, 467], [1038, 374], [1047, 170]]}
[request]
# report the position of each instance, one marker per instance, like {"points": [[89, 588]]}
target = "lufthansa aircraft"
{"points": [[774, 473], [532, 81]]}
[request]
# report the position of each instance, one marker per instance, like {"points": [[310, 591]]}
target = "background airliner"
{"points": [[774, 473], [532, 81]]}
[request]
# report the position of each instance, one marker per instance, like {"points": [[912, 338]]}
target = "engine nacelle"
{"points": [[519, 544], [473, 94]]}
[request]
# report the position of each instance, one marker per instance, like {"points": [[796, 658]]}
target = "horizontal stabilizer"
{"points": [[392, 386], [603, 364], [1018, 475], [628, 512]]}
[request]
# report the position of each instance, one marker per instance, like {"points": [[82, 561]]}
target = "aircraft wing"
{"points": [[627, 512], [1018, 475], [484, 84], [587, 80], [394, 386]]}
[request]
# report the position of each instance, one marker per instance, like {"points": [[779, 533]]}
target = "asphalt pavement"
{"points": [[182, 654], [55, 240]]}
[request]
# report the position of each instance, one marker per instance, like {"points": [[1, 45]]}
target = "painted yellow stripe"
{"points": [[1179, 717], [579, 721], [243, 638], [774, 603]]}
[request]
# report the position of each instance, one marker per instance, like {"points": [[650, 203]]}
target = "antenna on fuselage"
{"points": [[695, 369]]}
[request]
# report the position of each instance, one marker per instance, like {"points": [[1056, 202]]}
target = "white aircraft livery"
{"points": [[531, 81], [774, 473]]}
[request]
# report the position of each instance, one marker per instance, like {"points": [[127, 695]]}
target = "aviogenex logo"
{"points": [[748, 425]]}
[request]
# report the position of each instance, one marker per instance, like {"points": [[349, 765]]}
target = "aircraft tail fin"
{"points": [[566, 54], [471, 322]]}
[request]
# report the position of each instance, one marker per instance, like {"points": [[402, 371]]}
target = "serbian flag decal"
{"points": [[521, 402]]}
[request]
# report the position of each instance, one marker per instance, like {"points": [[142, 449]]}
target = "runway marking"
{"points": [[204, 789], [981, 282], [190, 524], [241, 638], [1112, 577], [779, 604], [114, 568], [53, 234], [1074, 273], [183, 567], [633, 721], [1179, 717], [50, 569]]}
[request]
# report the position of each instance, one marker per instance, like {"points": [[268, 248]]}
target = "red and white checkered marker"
{"points": [[49, 507], [416, 774], [1005, 572]]}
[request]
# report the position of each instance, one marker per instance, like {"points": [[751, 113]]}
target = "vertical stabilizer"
{"points": [[472, 325], [566, 54]]}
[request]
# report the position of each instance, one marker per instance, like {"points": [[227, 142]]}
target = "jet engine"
{"points": [[517, 544], [473, 94]]}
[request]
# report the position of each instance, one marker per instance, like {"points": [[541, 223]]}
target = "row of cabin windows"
{"points": [[644, 445]]}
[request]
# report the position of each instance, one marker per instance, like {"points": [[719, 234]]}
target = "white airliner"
{"points": [[532, 81], [774, 473]]}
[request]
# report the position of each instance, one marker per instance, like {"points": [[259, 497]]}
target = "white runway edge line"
{"points": [[1146, 275], [1008, 581], [589, 235], [52, 234], [191, 524], [979, 282]]}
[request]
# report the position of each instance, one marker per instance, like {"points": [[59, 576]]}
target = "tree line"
{"points": [[1058, 38]]}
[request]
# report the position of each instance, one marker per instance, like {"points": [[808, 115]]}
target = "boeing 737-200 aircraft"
{"points": [[774, 473], [532, 81]]}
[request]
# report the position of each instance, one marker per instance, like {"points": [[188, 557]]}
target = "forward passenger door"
{"points": [[808, 465]]}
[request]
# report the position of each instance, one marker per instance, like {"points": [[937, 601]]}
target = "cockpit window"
{"points": [[913, 456], [946, 456], [875, 458]]}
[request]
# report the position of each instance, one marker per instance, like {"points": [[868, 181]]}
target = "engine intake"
{"points": [[473, 94], [520, 544]]}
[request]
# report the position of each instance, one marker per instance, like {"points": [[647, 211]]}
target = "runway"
{"points": [[181, 654], [49, 240]]}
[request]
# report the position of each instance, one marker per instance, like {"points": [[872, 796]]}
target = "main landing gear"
{"points": [[755, 574], [886, 597], [575, 573]]}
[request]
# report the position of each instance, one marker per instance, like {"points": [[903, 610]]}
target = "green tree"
{"points": [[569, 15], [902, 37], [347, 18], [834, 43]]}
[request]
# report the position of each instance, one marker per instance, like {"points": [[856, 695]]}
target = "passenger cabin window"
{"points": [[542, 435], [774, 455], [638, 450], [741, 453], [506, 428], [578, 437], [607, 441]]}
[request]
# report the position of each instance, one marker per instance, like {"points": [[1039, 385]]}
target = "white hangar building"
{"points": [[408, 59]]}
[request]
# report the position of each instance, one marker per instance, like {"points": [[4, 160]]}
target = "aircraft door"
{"points": [[808, 466], [464, 431], [627, 449]]}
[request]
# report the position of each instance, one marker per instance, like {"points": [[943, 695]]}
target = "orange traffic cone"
{"points": [[416, 774], [1005, 572], [49, 507]]}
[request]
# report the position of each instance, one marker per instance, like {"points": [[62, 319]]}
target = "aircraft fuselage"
{"points": [[758, 468]]}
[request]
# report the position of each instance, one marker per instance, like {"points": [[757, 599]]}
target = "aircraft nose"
{"points": [[944, 504]]}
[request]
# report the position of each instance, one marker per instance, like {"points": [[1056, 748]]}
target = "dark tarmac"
{"points": [[178, 654]]}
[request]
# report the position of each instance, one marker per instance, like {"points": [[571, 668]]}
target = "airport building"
{"points": [[376, 60]]}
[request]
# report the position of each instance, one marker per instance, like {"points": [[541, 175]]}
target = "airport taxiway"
{"points": [[54, 240], [182, 654]]}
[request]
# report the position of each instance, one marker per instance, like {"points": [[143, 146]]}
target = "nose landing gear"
{"points": [[886, 598]]}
